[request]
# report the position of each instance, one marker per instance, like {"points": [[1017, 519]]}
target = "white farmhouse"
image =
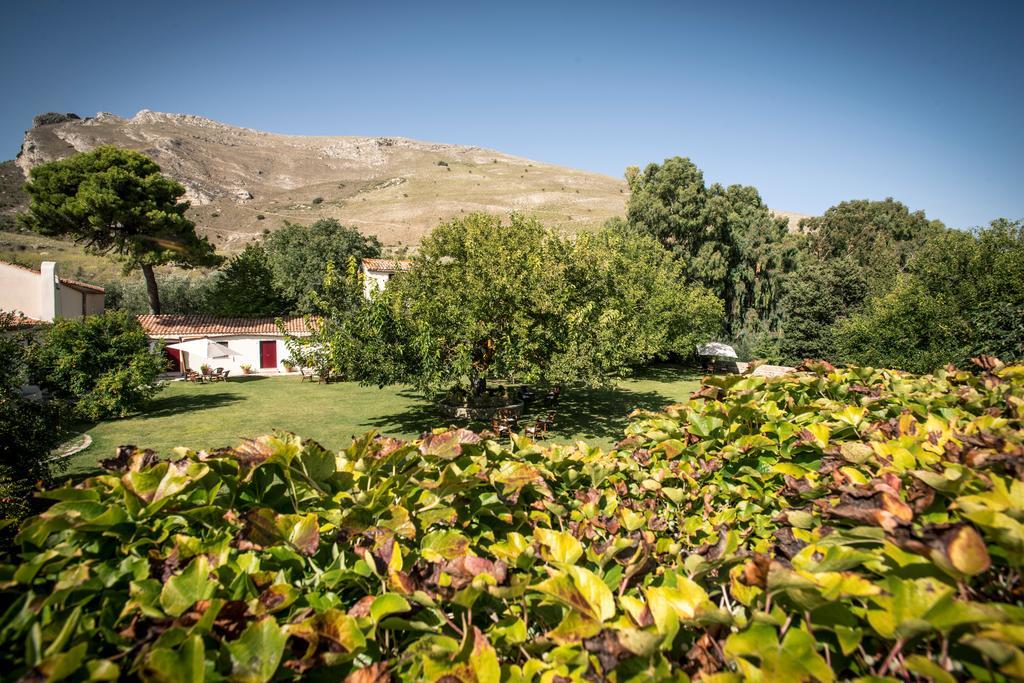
{"points": [[256, 342], [377, 272], [43, 296]]}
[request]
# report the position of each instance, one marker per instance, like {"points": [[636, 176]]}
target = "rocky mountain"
{"points": [[242, 182]]}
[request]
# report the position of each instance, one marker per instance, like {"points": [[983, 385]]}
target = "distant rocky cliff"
{"points": [[242, 182]]}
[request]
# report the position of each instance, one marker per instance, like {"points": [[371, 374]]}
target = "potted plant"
{"points": [[205, 369], [246, 369], [288, 364]]}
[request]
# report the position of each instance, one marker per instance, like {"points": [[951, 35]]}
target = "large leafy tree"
{"points": [[299, 256], [962, 295], [878, 237], [730, 241], [117, 201], [628, 301], [487, 298], [816, 296], [245, 287]]}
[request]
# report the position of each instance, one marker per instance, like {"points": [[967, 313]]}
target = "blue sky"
{"points": [[811, 102]]}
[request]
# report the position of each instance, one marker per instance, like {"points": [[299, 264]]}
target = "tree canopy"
{"points": [[116, 201], [728, 239], [29, 429], [101, 365], [492, 299], [879, 237], [244, 287], [962, 296], [298, 256]]}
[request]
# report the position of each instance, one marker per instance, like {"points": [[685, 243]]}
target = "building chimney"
{"points": [[49, 291]]}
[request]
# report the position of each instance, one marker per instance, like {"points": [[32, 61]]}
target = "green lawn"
{"points": [[213, 415]]}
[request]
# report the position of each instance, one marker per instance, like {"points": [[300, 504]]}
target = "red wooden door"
{"points": [[174, 355], [268, 354]]}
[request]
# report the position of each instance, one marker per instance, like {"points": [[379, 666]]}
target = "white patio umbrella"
{"points": [[717, 349], [205, 348]]}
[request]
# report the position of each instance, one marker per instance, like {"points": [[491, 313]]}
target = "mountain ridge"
{"points": [[243, 182]]}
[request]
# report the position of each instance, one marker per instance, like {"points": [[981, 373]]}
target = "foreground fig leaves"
{"points": [[829, 525]]}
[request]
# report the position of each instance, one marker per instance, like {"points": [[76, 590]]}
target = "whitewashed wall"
{"points": [[247, 345], [374, 281]]}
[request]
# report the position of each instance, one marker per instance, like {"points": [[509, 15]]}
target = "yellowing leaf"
{"points": [[443, 545], [580, 589], [669, 604], [558, 546]]}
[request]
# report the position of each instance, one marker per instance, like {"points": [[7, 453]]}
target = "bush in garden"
{"points": [[29, 429], [101, 364], [834, 524]]}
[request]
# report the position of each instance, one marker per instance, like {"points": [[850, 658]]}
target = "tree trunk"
{"points": [[151, 290]]}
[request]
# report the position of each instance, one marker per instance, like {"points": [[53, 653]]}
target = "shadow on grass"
{"points": [[597, 413], [668, 373], [587, 413], [418, 418], [245, 378], [174, 405]]}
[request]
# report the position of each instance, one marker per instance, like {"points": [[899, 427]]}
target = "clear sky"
{"points": [[811, 102]]}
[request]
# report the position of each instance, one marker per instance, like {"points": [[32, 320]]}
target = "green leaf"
{"points": [[184, 665], [187, 588], [387, 604], [256, 654], [926, 668], [57, 667]]}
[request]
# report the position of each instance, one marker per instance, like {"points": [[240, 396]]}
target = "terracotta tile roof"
{"points": [[187, 325], [386, 265], [68, 282], [81, 286], [20, 320]]}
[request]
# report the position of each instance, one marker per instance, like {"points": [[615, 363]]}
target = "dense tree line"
{"points": [[868, 282], [281, 275], [962, 295]]}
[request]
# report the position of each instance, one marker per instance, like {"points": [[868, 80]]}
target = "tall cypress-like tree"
{"points": [[729, 239]]}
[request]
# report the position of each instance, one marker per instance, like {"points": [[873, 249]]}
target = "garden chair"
{"points": [[192, 376], [218, 375], [500, 427], [553, 395], [539, 429]]}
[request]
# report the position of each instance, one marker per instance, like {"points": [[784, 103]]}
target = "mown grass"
{"points": [[221, 414]]}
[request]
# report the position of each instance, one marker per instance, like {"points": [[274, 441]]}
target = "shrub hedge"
{"points": [[836, 524]]}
